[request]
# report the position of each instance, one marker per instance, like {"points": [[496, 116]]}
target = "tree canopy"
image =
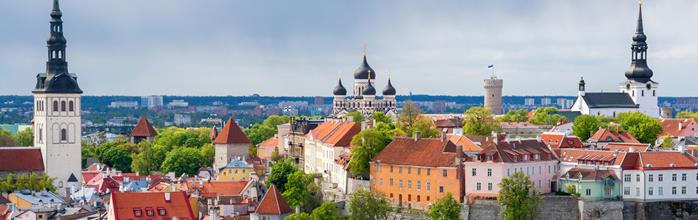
{"points": [[326, 211], [25, 137], [365, 204], [518, 197], [644, 128], [301, 191], [6, 139], [118, 158], [366, 145], [585, 125], [546, 116], [479, 121], [30, 181], [445, 208], [518, 115], [183, 160], [279, 174], [355, 116]]}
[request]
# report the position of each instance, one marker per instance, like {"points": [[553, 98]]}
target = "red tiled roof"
{"points": [[336, 133], [143, 128], [665, 160], [627, 147], [231, 134], [605, 135], [552, 138], [590, 174], [423, 152], [570, 142], [273, 203], [127, 204], [515, 151], [468, 145], [673, 127], [271, 142], [581, 155], [216, 188], [21, 159]]}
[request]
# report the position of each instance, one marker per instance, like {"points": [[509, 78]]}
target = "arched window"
{"points": [[64, 135], [62, 106], [654, 92], [71, 106], [55, 106]]}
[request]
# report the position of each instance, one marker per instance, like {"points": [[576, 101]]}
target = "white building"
{"points": [[637, 94], [323, 147], [529, 102], [57, 105], [661, 176], [123, 104], [153, 101]]}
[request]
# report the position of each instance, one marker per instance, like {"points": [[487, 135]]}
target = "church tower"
{"points": [[57, 111], [639, 84]]}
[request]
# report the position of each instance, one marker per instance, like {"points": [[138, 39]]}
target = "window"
{"points": [[417, 198], [71, 106], [637, 191], [627, 178], [673, 177], [650, 191], [637, 177], [399, 169], [419, 171], [427, 198], [474, 172], [626, 191], [673, 190], [650, 177], [683, 177], [508, 174], [162, 211], [149, 212], [63, 108], [489, 186], [660, 191], [441, 189], [419, 185], [696, 190], [399, 183], [489, 171], [588, 192], [409, 184], [409, 170], [55, 106], [391, 181], [478, 186], [428, 188], [683, 190], [64, 135], [428, 171], [137, 212], [660, 178]]}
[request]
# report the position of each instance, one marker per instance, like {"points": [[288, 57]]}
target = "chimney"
{"points": [[680, 125], [443, 136], [417, 135], [167, 196], [459, 154]]}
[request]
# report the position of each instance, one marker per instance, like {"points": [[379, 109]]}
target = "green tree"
{"points": [[274, 120], [644, 128], [572, 190], [6, 139], [179, 137], [585, 125], [546, 116], [298, 216], [365, 204], [518, 197], [687, 114], [667, 143], [25, 137], [275, 156], [209, 152], [355, 116], [445, 208], [252, 150], [326, 211], [366, 145], [479, 121], [519, 115], [144, 161], [408, 115], [117, 158], [183, 160], [258, 133], [381, 117], [296, 189], [425, 127], [46, 182], [279, 174]]}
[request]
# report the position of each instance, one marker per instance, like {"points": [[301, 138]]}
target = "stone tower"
{"points": [[493, 94], [57, 95], [230, 143]]}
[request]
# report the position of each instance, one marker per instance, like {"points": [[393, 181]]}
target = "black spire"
{"points": [[370, 90], [339, 89], [389, 89], [638, 70], [582, 84], [57, 79]]}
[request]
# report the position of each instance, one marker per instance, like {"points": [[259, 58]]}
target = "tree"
{"points": [[425, 127], [518, 197], [355, 116], [298, 216], [519, 115], [408, 115], [365, 204], [479, 121], [546, 116], [274, 120], [144, 161], [445, 208], [252, 151], [585, 125], [258, 133], [687, 114], [179, 137], [279, 174], [6, 139], [381, 117], [275, 155], [183, 160], [30, 181], [297, 191], [25, 137], [667, 143], [117, 158], [572, 190], [326, 211], [644, 128], [366, 145], [209, 152]]}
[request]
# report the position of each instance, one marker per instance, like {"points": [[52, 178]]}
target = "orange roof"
{"points": [[143, 128], [336, 133], [273, 203], [674, 127], [569, 142], [468, 145], [577, 155], [552, 138], [216, 188], [151, 205], [21, 159], [271, 142], [627, 147], [665, 160], [423, 152], [231, 134], [605, 135]]}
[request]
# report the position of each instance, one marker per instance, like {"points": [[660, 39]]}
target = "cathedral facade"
{"points": [[363, 98]]}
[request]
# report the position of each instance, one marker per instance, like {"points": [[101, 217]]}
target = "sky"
{"points": [[301, 47]]}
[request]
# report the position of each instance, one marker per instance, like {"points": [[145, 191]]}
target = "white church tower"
{"points": [[57, 111]]}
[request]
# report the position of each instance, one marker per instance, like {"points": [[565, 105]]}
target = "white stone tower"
{"points": [[493, 94], [57, 95]]}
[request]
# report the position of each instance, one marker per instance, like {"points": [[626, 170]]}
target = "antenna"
{"points": [[365, 49]]}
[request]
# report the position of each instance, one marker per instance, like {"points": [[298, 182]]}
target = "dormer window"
{"points": [[137, 212], [149, 211], [489, 157], [162, 211]]}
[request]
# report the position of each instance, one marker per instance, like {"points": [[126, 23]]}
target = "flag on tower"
{"points": [[490, 66]]}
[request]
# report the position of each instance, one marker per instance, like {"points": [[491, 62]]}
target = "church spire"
{"points": [[638, 70]]}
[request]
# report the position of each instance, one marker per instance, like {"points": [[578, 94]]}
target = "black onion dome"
{"points": [[362, 72], [369, 89], [62, 83], [638, 70], [389, 89], [56, 12], [339, 89]]}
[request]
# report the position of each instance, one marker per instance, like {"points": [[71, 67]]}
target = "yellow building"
{"points": [[25, 199], [236, 170]]}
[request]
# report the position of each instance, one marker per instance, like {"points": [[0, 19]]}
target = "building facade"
{"points": [[57, 128], [661, 176], [230, 143], [364, 97]]}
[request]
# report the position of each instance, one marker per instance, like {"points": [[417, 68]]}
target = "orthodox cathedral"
{"points": [[364, 98], [638, 93]]}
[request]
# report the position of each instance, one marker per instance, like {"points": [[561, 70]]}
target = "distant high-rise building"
{"points": [[493, 94], [546, 101], [152, 102], [529, 102]]}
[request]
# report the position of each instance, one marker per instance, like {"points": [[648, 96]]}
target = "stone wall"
{"points": [[553, 207], [601, 210], [660, 210]]}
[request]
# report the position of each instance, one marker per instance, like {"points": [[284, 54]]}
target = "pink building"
{"points": [[678, 127], [496, 161]]}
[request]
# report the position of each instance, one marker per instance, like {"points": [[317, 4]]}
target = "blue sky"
{"points": [[276, 47]]}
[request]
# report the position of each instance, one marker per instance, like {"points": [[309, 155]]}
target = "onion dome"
{"points": [[56, 12], [389, 89], [62, 83], [369, 90], [339, 89], [362, 72], [638, 70]]}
